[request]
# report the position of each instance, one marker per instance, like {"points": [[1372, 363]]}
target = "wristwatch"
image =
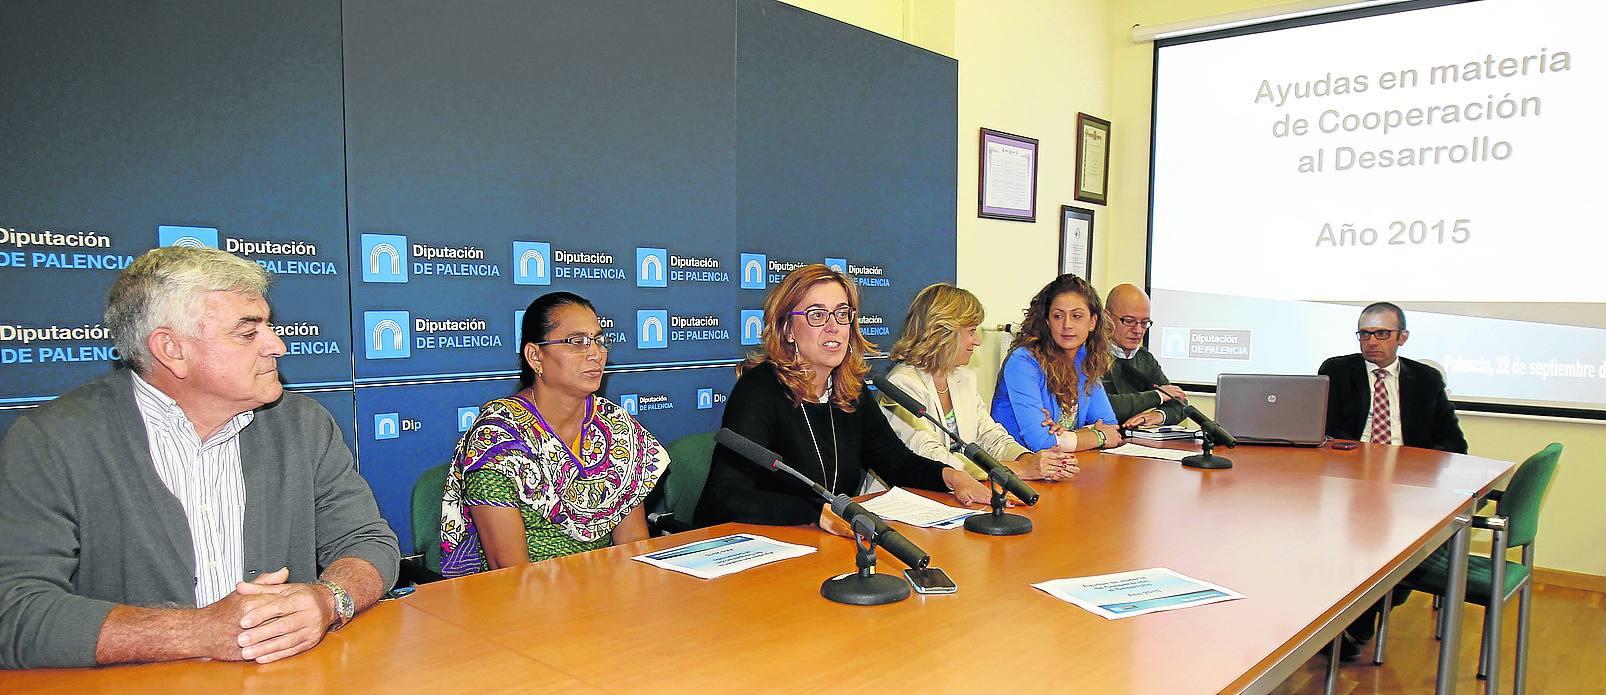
{"points": [[344, 606]]}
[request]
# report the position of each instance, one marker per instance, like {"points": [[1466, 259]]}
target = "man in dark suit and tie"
{"points": [[1379, 397]]}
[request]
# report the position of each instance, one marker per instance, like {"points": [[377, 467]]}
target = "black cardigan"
{"points": [[759, 408]]}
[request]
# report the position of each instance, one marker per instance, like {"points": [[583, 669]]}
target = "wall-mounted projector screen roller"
{"points": [[1447, 157]]}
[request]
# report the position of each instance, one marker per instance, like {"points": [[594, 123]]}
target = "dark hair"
{"points": [[538, 324], [1380, 307], [1059, 368]]}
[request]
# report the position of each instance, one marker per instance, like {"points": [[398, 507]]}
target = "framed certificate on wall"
{"points": [[1076, 241], [1092, 159], [1008, 180]]}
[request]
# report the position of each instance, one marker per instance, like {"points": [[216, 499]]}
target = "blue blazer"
{"points": [[1023, 394]]}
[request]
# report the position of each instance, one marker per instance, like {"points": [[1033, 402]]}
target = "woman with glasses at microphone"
{"points": [[803, 397], [1049, 393], [553, 469], [930, 364]]}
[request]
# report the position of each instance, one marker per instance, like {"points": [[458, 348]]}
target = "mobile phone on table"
{"points": [[930, 581], [1342, 445]]}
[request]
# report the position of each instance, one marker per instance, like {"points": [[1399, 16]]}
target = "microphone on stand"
{"points": [[1213, 434], [841, 505], [998, 475]]}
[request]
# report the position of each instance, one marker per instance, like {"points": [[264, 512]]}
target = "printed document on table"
{"points": [[1125, 594], [717, 557], [902, 505], [1150, 452]]}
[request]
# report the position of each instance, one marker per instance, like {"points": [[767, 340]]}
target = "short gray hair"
{"points": [[167, 287]]}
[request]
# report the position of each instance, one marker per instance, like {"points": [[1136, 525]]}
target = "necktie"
{"points": [[1381, 432]]}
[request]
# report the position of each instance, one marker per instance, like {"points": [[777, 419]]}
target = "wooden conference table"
{"points": [[1311, 537]]}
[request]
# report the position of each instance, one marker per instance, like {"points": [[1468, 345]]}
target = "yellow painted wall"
{"points": [[1027, 67]]}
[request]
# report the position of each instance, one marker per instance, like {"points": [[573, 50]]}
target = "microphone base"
{"points": [[1207, 462], [998, 524], [861, 590]]}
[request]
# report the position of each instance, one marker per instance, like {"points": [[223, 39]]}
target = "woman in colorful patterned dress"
{"points": [[554, 469]]}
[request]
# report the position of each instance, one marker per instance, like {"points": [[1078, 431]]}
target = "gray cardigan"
{"points": [[85, 523]]}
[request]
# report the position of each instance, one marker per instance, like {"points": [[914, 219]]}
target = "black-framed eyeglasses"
{"points": [[1132, 322], [583, 341], [1380, 334], [816, 315]]}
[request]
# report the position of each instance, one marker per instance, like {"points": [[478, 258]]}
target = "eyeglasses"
{"points": [[582, 341], [1132, 321], [816, 316], [1380, 334]]}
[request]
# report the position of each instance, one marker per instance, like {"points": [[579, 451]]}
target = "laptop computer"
{"points": [[1273, 408]]}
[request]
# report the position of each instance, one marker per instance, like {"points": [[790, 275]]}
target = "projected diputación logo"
{"points": [[384, 258], [840, 265], [187, 237], [385, 335], [532, 263], [1174, 343], [465, 417]]}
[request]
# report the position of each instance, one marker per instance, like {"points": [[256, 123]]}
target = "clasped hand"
{"points": [[270, 620]]}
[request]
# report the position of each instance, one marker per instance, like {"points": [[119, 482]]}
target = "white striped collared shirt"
{"points": [[207, 480]]}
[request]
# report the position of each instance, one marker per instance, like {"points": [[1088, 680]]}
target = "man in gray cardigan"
{"points": [[186, 506]]}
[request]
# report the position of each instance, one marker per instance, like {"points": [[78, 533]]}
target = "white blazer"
{"points": [[976, 424]]}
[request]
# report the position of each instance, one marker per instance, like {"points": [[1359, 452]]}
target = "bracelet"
{"points": [[1100, 434]]}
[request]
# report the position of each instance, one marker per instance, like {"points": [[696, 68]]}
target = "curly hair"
{"points": [[930, 340], [847, 380], [1059, 368]]}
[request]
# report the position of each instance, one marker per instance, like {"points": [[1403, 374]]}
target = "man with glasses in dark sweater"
{"points": [[1139, 391]]}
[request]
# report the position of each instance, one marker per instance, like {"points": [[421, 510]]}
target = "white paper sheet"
{"points": [[717, 557], [1125, 594], [902, 505], [1151, 452]]}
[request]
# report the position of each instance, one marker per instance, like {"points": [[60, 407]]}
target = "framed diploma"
{"points": [[1008, 181], [1092, 159], [1076, 241]]}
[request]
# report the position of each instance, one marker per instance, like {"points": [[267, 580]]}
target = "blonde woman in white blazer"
{"points": [[930, 361]]}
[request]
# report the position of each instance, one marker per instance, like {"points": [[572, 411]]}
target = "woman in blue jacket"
{"points": [[1049, 393]]}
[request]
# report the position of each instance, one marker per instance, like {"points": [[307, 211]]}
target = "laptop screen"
{"points": [[1273, 408]]}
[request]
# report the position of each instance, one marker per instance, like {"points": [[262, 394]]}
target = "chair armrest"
{"points": [[413, 572], [665, 523], [1493, 522]]}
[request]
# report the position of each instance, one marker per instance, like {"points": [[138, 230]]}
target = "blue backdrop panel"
{"points": [[135, 125], [845, 155], [523, 148], [669, 161]]}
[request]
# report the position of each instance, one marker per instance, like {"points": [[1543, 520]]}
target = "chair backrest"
{"points": [[1520, 502], [988, 360], [427, 494], [689, 458]]}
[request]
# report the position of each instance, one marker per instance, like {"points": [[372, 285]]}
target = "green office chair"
{"points": [[682, 485], [426, 508], [1514, 523]]}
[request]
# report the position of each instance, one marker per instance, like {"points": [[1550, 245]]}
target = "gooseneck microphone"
{"points": [[1210, 427], [1213, 434], [841, 505], [970, 450]]}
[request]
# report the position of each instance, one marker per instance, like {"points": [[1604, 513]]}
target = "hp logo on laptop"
{"points": [[1271, 398]]}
